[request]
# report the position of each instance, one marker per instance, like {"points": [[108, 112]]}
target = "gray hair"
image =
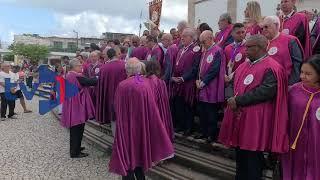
{"points": [[226, 16], [191, 32], [85, 55], [73, 63], [272, 19], [133, 66], [260, 40]]}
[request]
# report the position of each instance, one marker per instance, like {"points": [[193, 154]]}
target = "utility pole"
{"points": [[77, 38]]}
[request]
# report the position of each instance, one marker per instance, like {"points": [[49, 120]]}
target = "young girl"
{"points": [[303, 160]]}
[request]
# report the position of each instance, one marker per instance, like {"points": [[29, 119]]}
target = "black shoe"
{"points": [[187, 133], [200, 137], [82, 148], [81, 155]]}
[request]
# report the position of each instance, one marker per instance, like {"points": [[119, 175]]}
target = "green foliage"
{"points": [[8, 57], [34, 52]]}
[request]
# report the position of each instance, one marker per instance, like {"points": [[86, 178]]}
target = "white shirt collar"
{"points": [[289, 15]]}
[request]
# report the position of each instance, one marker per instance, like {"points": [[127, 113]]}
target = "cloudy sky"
{"points": [[88, 17]]}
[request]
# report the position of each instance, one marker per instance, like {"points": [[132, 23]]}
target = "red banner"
{"points": [[155, 7]]}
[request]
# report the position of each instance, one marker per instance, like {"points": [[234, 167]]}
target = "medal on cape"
{"points": [[196, 49], [248, 35], [238, 57], [210, 58], [318, 114], [272, 51], [248, 80], [97, 70], [286, 31]]}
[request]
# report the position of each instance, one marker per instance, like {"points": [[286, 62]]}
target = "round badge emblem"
{"points": [[196, 49], [248, 35], [272, 51], [248, 80], [318, 114], [210, 58], [149, 57], [286, 31], [238, 57], [97, 70]]}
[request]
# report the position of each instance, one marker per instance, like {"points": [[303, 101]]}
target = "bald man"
{"points": [[256, 118], [283, 48], [295, 24], [210, 85]]}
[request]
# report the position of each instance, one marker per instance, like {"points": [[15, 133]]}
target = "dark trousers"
{"points": [[4, 103], [76, 134], [208, 113], [29, 81], [137, 174], [249, 165], [182, 114]]}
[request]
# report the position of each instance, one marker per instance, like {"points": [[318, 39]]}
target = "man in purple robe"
{"points": [[155, 53], [224, 37], [182, 25], [77, 109], [141, 140], [153, 71], [283, 48], [141, 51], [295, 24], [210, 85], [256, 119], [303, 160], [111, 74], [183, 86], [315, 37]]}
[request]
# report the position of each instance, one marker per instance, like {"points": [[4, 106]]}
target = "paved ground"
{"points": [[37, 147]]}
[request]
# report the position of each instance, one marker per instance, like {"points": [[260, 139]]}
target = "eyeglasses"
{"points": [[251, 46]]}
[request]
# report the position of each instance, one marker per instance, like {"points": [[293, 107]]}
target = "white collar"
{"points": [[258, 60], [289, 15]]}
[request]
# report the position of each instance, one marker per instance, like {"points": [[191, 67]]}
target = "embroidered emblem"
{"points": [[272, 51], [248, 80]]}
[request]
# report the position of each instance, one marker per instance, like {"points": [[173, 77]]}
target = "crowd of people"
{"points": [[263, 74]]}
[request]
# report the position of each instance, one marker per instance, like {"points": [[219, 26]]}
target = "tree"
{"points": [[8, 57], [34, 52]]}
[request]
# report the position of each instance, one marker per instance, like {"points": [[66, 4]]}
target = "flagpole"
{"points": [[140, 26]]}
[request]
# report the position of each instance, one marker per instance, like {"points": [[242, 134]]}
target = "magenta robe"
{"points": [[162, 100], [79, 108], [252, 30], [184, 63], [260, 127], [237, 55], [111, 74], [222, 36], [317, 37], [303, 163], [214, 91], [278, 49], [141, 139], [289, 26], [140, 52]]}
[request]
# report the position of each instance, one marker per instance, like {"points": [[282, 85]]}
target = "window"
{"points": [[57, 44], [72, 45]]}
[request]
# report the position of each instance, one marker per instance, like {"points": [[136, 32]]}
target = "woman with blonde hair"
{"points": [[252, 18]]}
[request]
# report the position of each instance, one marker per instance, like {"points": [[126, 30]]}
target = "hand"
{"points": [[180, 80], [226, 79], [175, 79], [198, 84], [13, 90], [232, 103]]}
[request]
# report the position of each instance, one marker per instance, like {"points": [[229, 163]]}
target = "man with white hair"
{"points": [[183, 81], [181, 26], [77, 109], [285, 49], [210, 85], [224, 37], [5, 100], [295, 24]]}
